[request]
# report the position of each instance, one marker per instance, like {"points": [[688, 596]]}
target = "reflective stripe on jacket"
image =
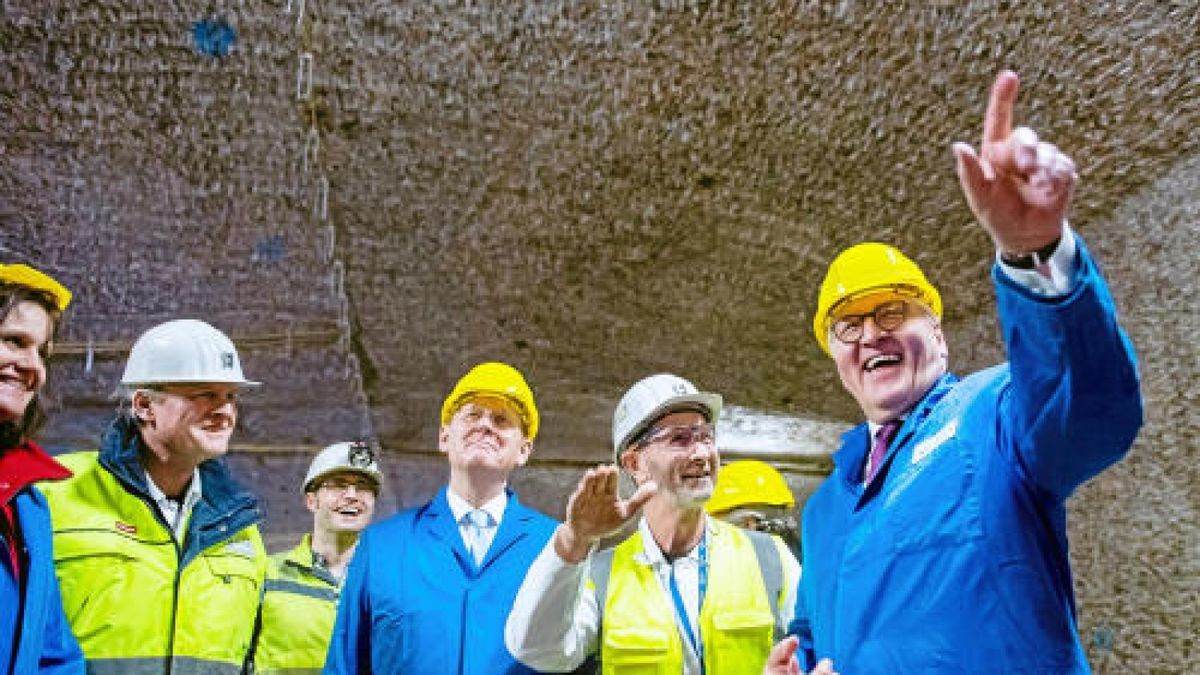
{"points": [[137, 600], [298, 611], [640, 632]]}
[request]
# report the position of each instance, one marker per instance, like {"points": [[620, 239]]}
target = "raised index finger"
{"points": [[997, 121]]}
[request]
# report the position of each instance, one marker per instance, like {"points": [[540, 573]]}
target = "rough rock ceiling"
{"points": [[372, 196], [593, 191]]}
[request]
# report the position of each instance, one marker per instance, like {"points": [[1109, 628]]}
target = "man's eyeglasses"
{"points": [[344, 484], [887, 316], [679, 437]]}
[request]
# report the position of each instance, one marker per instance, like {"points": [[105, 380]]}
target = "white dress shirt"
{"points": [[1055, 277], [174, 512], [494, 507]]}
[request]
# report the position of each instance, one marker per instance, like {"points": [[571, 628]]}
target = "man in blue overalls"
{"points": [[938, 544]]}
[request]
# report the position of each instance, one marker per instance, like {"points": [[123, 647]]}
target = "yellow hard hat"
{"points": [[749, 481], [865, 269], [497, 379], [24, 275]]}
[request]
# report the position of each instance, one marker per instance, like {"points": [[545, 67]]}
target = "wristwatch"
{"points": [[1029, 261]]}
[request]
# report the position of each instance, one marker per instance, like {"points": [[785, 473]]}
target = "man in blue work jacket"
{"points": [[429, 589], [938, 544]]}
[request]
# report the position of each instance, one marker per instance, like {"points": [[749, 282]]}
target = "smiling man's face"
{"points": [[680, 456], [191, 421], [343, 502], [889, 371]]}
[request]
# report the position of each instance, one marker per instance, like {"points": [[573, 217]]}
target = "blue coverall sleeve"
{"points": [[61, 654], [350, 646], [801, 627], [1074, 406]]}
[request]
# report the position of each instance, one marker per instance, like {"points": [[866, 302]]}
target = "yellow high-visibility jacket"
{"points": [[639, 630], [138, 601], [297, 615]]}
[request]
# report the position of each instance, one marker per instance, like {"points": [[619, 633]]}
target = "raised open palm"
{"points": [[595, 510]]}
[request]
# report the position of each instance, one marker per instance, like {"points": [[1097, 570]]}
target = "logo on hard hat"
{"points": [[360, 456], [680, 389], [227, 360]]}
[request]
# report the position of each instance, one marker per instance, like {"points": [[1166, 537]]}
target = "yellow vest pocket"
{"points": [[739, 642], [636, 651]]}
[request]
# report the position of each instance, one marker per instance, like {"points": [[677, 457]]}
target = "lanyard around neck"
{"points": [[702, 586]]}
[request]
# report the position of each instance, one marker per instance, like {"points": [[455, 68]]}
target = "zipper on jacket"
{"points": [[144, 496], [174, 607]]}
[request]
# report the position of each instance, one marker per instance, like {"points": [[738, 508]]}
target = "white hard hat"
{"points": [[652, 398], [183, 351], [355, 456]]}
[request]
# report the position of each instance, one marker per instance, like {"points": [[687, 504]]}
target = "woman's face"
{"points": [[24, 335]]}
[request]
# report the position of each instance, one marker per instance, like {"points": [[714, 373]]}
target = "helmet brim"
{"points": [[707, 404], [147, 383], [375, 476], [466, 397], [882, 293]]}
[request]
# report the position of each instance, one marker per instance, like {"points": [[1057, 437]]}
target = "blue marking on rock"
{"points": [[268, 250], [214, 37]]}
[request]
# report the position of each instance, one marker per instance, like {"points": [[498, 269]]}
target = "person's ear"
{"points": [[631, 462], [310, 501], [525, 452], [140, 405]]}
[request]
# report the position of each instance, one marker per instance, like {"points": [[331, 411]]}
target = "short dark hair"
{"points": [[16, 432]]}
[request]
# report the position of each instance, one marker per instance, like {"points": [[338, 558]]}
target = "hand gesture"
{"points": [[782, 660], [1018, 187], [595, 511]]}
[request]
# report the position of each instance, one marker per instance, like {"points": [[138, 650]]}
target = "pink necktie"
{"points": [[883, 438]]}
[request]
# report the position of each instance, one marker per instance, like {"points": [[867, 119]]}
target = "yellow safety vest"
{"points": [[129, 602], [640, 632], [298, 612]]}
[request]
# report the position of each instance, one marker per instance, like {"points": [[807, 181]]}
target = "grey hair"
{"points": [[125, 395]]}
